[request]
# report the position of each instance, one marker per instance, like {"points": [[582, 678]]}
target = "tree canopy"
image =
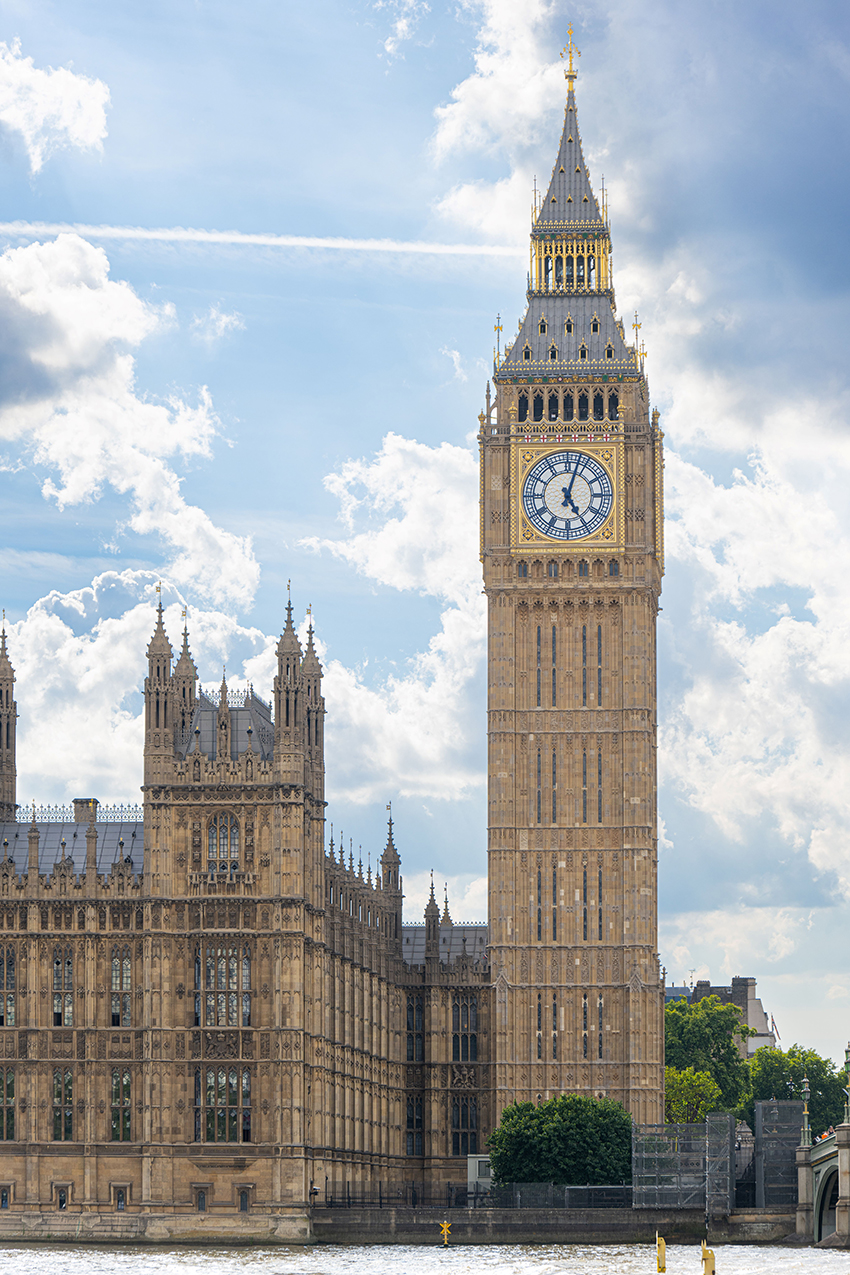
{"points": [[569, 1140], [704, 1036], [689, 1095], [777, 1073]]}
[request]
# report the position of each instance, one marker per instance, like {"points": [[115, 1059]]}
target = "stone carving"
{"points": [[221, 1044], [463, 1078]]}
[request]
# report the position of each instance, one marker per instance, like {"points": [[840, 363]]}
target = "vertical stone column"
{"points": [[805, 1219], [842, 1209]]}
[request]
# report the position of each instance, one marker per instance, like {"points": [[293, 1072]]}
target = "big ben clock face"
{"points": [[567, 495]]}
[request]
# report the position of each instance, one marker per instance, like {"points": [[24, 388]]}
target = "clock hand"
{"points": [[568, 491]]}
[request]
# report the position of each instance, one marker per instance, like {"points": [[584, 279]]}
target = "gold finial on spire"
{"points": [[637, 326], [568, 50], [159, 587]]}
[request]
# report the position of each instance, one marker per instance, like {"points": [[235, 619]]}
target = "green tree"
{"points": [[689, 1095], [568, 1140], [705, 1036], [777, 1073]]}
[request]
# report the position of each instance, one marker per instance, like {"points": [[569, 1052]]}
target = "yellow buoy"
{"points": [[707, 1260], [661, 1252]]}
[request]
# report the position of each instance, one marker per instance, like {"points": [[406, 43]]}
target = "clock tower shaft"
{"points": [[572, 593]]}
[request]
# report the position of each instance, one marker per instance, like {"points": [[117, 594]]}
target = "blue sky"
{"points": [[228, 414]]}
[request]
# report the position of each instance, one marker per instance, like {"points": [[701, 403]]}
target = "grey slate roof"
{"points": [[14, 844], [451, 942], [254, 713], [568, 184], [556, 308]]}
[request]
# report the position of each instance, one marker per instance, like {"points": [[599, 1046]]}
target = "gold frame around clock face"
{"points": [[610, 535]]}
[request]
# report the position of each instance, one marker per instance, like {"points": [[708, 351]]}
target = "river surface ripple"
{"points": [[405, 1259]]}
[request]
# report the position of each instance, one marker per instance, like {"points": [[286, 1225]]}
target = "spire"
{"points": [[446, 917], [222, 693], [432, 924], [185, 666], [8, 732], [159, 644], [289, 644], [570, 197], [91, 844]]}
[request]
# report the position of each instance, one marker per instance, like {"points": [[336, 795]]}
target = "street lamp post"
{"points": [[806, 1136]]}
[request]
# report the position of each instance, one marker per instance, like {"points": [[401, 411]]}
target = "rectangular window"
{"points": [[600, 1026], [226, 1000], [464, 1126], [599, 786], [538, 666], [121, 987], [584, 787], [554, 786], [414, 1126], [584, 905], [222, 1104], [464, 1028], [584, 665], [539, 793], [120, 1106], [7, 1105], [63, 988], [599, 666], [554, 667], [7, 987], [63, 1105], [554, 905], [415, 1034], [539, 906], [600, 905]]}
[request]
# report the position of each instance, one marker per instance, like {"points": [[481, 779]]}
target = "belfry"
{"points": [[571, 492]]}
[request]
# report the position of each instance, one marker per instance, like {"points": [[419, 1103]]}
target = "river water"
{"points": [[501, 1259]]}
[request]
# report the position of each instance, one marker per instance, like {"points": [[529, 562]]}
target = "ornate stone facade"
{"points": [[205, 1008]]}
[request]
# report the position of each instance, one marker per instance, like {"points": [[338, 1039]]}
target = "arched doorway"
{"points": [[827, 1201]]}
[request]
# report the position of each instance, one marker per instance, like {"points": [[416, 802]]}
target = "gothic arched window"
{"points": [[223, 844], [553, 405], [415, 1030], [225, 998], [464, 1028], [582, 407], [568, 407], [613, 407], [538, 407], [222, 1104], [598, 407], [63, 988], [464, 1125], [522, 407]]}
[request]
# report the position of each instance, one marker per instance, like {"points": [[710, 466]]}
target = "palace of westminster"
{"points": [[204, 1008]]}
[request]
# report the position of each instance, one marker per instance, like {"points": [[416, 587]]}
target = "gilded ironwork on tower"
{"points": [[572, 551]]}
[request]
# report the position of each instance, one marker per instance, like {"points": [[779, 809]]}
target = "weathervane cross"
{"points": [[568, 50]]}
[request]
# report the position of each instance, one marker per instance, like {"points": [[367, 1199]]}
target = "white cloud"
{"points": [[467, 896], [215, 324], [412, 520], [406, 16], [79, 660], [457, 363], [50, 108], [71, 405]]}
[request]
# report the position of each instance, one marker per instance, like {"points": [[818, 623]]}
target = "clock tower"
{"points": [[572, 549]]}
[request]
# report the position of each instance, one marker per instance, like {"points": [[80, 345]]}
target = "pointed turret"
{"points": [[391, 881], [287, 691], [8, 724], [33, 837], [446, 918], [223, 722], [159, 732], [185, 682], [432, 925]]}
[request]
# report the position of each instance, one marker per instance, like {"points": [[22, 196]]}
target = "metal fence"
{"points": [[546, 1195], [668, 1166], [515, 1195]]}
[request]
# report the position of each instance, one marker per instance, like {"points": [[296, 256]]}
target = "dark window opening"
{"points": [[120, 1201], [568, 407], [202, 1201], [569, 277], [613, 407], [559, 272], [4, 1198], [538, 407], [526, 353], [609, 352], [582, 407], [553, 355], [522, 570], [584, 568], [243, 1201], [542, 328], [583, 355], [580, 269], [594, 327], [553, 405], [584, 820], [62, 1198], [522, 407], [598, 407], [464, 1126], [553, 571], [613, 568], [415, 1030], [414, 1126], [222, 1104]]}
